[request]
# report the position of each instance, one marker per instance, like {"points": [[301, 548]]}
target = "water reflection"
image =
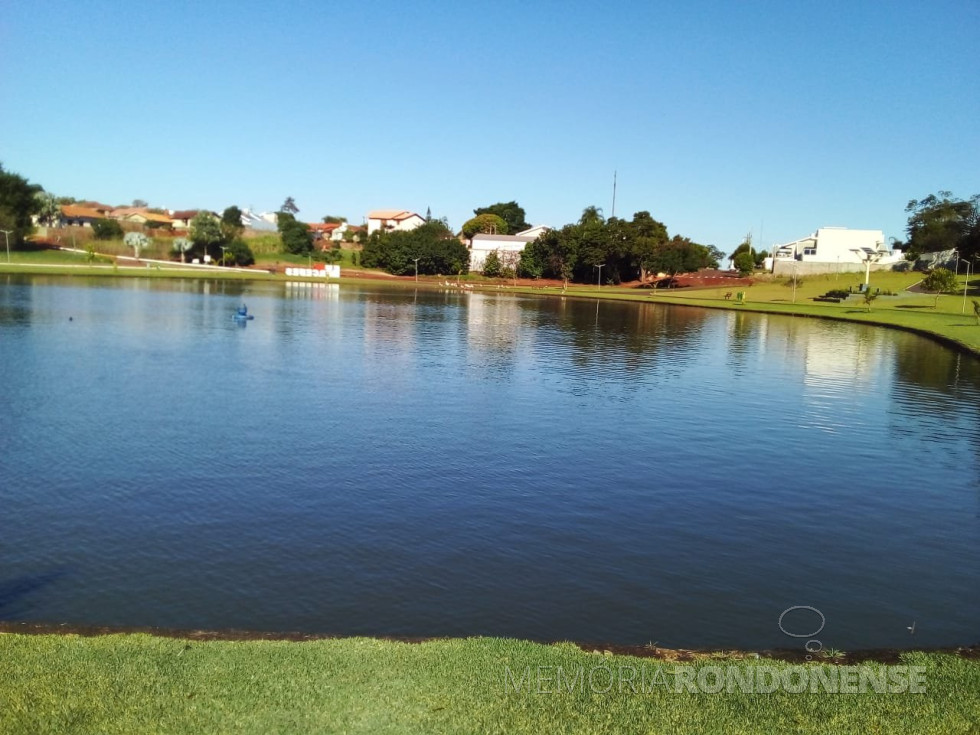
{"points": [[392, 460]]}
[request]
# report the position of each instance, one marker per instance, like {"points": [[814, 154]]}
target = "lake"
{"points": [[385, 461]]}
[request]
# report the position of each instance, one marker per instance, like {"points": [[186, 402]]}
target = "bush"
{"points": [[491, 265], [744, 263], [107, 229], [837, 293], [239, 253]]}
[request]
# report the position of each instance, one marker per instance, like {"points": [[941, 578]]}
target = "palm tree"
{"points": [[591, 216]]}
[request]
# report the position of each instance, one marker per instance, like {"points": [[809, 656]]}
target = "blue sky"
{"points": [[720, 117]]}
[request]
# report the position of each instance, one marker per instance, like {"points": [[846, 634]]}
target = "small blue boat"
{"points": [[242, 314]]}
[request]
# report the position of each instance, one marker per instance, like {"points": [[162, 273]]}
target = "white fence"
{"points": [[327, 271]]}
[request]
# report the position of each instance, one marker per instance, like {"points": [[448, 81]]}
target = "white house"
{"points": [[482, 244], [390, 220], [834, 248]]}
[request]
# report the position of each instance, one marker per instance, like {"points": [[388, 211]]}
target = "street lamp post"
{"points": [[600, 274], [223, 248], [7, 234], [416, 269], [966, 284], [795, 280]]}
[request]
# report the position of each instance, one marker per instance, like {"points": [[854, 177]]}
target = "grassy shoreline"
{"points": [[141, 683]]}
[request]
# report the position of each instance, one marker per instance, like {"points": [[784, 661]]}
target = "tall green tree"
{"points": [[17, 204], [296, 236], [205, 231], [510, 212], [47, 209], [491, 224], [943, 222], [289, 206], [231, 223]]}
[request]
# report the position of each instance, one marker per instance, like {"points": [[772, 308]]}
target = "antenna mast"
{"points": [[613, 214]]}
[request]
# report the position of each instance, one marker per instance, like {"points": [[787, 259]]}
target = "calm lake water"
{"points": [[370, 460]]}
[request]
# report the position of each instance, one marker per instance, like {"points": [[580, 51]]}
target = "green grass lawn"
{"points": [[49, 257], [269, 259], [140, 683]]}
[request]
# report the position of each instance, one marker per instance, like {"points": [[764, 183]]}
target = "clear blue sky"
{"points": [[720, 117]]}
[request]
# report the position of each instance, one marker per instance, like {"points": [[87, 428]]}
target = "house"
{"points": [[832, 249], [141, 216], [182, 217], [259, 222], [325, 231], [104, 209], [73, 215], [482, 244], [533, 232], [391, 220], [507, 247]]}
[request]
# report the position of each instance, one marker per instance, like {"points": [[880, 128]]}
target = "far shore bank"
{"points": [[914, 313]]}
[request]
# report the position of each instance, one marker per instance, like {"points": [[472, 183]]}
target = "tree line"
{"points": [[613, 250]]}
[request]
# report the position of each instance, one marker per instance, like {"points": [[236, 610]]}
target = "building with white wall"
{"points": [[508, 247], [392, 220], [831, 248]]}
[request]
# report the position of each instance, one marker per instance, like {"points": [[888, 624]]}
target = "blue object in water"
{"points": [[242, 314]]}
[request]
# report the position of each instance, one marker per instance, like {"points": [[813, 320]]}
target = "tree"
{"points": [[744, 262], [943, 222], [137, 241], [239, 253], [231, 223], [331, 220], [869, 298], [510, 212], [140, 203], [438, 251], [491, 265], [182, 245], [296, 236], [976, 310], [47, 209], [591, 215], [107, 229], [205, 231], [491, 224], [289, 206], [528, 265], [939, 281], [17, 204]]}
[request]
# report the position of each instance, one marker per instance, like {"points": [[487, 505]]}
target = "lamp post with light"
{"points": [[966, 284]]}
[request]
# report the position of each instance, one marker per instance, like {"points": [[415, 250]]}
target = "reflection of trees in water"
{"points": [[16, 302], [744, 333], [935, 399], [614, 342], [921, 363]]}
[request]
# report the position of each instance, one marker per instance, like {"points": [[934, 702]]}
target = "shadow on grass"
{"points": [[914, 306]]}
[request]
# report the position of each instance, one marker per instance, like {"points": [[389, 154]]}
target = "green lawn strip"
{"points": [[141, 683]]}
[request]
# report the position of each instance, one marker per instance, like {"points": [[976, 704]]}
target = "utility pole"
{"points": [[6, 234]]}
